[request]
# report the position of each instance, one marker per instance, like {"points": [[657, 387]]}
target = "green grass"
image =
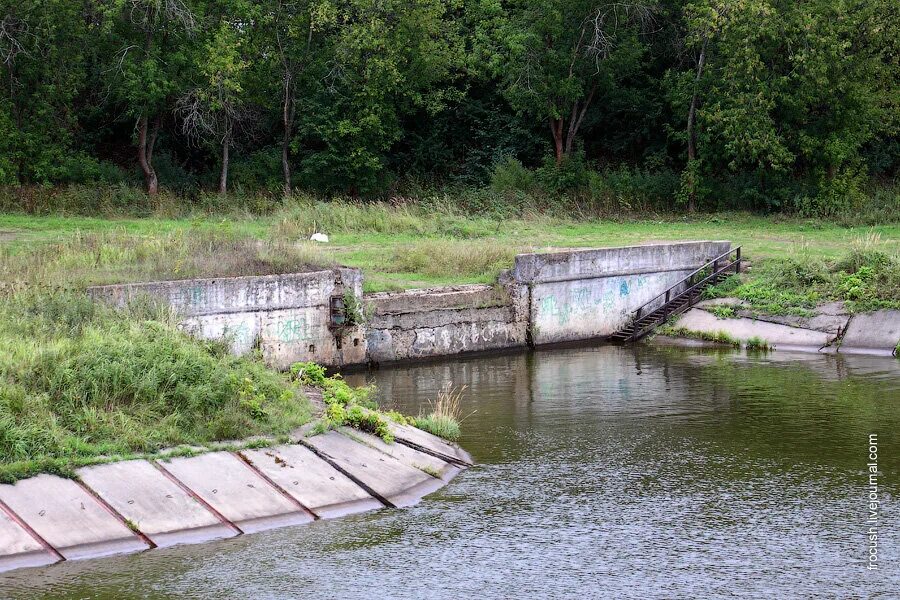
{"points": [[758, 344], [865, 278], [717, 337], [81, 382], [398, 246]]}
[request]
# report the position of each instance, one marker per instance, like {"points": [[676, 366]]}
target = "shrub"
{"points": [[509, 175], [443, 418]]}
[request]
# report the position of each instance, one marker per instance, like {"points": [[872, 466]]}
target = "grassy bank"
{"points": [[82, 383], [398, 246], [864, 278]]}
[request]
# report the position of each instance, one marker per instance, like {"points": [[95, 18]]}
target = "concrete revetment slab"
{"points": [[397, 483], [311, 481], [69, 518], [236, 491], [18, 549], [432, 444], [405, 454], [157, 506]]}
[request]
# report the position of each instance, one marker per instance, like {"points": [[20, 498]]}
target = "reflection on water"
{"points": [[603, 472]]}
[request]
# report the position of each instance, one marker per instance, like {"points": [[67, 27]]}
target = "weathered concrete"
{"points": [[406, 454], [546, 298], [286, 316], [18, 549], [311, 481], [591, 293], [134, 505], [431, 444], [237, 492], [877, 331], [423, 323], [743, 329], [68, 518], [157, 506], [396, 483]]}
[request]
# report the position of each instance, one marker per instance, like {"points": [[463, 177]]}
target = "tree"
{"points": [[148, 69], [215, 110], [560, 54]]}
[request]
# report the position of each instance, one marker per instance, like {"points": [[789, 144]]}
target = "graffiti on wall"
{"points": [[585, 300]]}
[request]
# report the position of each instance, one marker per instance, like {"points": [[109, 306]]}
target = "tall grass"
{"points": [[449, 258], [116, 257], [442, 419], [80, 380]]}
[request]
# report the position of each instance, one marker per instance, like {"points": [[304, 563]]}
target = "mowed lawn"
{"points": [[400, 248]]}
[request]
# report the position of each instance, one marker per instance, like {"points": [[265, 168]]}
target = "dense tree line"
{"points": [[783, 101]]}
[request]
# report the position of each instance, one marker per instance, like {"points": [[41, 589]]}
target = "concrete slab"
{"points": [[311, 481], [18, 549], [879, 330], [744, 329], [157, 506], [422, 440], [395, 482], [237, 492], [411, 457], [69, 518]]}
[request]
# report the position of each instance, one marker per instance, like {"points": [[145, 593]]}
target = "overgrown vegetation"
{"points": [[442, 419], [114, 257], [717, 337], [757, 344], [865, 279], [344, 404], [81, 382], [675, 105]]}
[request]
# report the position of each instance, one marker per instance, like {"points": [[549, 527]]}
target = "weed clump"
{"points": [[443, 418], [757, 344], [344, 404]]}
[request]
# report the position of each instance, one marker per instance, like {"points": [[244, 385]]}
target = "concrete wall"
{"points": [[546, 298], [422, 323], [590, 293], [286, 316]]}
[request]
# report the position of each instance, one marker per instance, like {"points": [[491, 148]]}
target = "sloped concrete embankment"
{"points": [[137, 505], [831, 328]]}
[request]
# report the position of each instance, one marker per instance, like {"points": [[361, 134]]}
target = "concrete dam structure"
{"points": [[323, 316]]}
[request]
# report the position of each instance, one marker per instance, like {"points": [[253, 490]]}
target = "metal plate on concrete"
{"points": [[394, 481], [156, 505], [18, 549], [408, 456], [430, 443], [68, 518], [236, 491], [311, 481]]}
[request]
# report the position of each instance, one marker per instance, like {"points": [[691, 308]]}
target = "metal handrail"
{"points": [[686, 292], [714, 262]]}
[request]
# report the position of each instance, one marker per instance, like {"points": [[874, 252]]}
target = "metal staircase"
{"points": [[679, 297]]}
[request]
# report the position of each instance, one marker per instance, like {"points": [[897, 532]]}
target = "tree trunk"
{"points": [[556, 128], [223, 174], [145, 154], [287, 116], [692, 128]]}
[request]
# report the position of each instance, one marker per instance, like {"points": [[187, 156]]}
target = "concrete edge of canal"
{"points": [[137, 505]]}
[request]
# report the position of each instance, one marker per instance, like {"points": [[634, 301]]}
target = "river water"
{"points": [[603, 472]]}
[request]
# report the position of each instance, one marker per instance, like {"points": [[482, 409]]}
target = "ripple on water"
{"points": [[604, 472]]}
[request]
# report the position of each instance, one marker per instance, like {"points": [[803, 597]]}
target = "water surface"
{"points": [[603, 472]]}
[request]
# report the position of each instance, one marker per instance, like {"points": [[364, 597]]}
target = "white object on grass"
{"points": [[319, 237]]}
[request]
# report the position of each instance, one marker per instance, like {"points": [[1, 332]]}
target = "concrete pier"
{"points": [[136, 505]]}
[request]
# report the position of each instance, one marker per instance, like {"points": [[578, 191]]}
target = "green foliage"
{"points": [[509, 175], [79, 380], [722, 311], [865, 279], [344, 404], [757, 344]]}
